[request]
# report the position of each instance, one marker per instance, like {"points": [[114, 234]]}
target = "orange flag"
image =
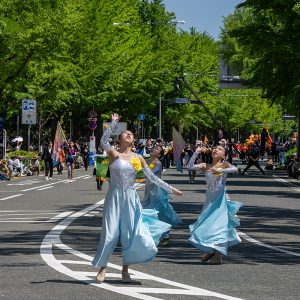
{"points": [[205, 140]]}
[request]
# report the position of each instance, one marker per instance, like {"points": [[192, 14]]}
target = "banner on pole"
{"points": [[178, 145], [58, 142]]}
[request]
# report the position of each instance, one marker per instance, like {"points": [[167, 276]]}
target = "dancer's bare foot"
{"points": [[207, 256], [216, 260], [165, 242], [125, 275], [101, 275]]}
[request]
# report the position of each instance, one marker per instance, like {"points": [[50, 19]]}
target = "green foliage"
{"points": [[261, 37], [70, 57], [290, 153]]}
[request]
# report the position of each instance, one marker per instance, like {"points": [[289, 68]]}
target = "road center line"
{"points": [[11, 197]]}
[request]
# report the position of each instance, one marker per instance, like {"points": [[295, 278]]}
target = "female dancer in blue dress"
{"points": [[123, 216], [157, 198], [215, 230]]}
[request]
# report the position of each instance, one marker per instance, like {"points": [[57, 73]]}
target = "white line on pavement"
{"points": [[294, 186], [251, 240], [49, 184], [11, 197], [53, 239], [47, 187], [59, 216]]}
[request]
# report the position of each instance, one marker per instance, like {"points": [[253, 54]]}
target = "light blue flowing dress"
{"points": [[157, 198], [215, 227], [139, 229]]}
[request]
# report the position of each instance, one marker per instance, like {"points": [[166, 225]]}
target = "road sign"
{"points": [[93, 119], [220, 135], [92, 125], [252, 121], [28, 112], [92, 113], [182, 100], [1, 122], [142, 117]]}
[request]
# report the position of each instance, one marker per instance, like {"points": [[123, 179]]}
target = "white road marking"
{"points": [[53, 239], [49, 184], [59, 216], [11, 197], [251, 240], [7, 219], [47, 187], [289, 184], [26, 182]]}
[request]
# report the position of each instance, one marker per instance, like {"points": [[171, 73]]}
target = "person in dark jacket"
{"points": [[48, 158], [86, 156], [253, 155]]}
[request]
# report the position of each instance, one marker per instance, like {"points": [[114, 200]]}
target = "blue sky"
{"points": [[205, 15]]}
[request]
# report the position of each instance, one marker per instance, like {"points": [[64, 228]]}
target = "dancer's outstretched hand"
{"points": [[177, 193], [201, 149], [116, 117]]}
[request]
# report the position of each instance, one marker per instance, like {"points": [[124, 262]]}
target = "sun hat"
{"points": [[3, 162], [34, 157]]}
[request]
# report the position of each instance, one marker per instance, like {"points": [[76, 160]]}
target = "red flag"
{"points": [[269, 141], [205, 140]]}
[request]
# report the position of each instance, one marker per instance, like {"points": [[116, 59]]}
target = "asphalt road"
{"points": [[50, 231]]}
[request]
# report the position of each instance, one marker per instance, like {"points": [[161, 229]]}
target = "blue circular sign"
{"points": [[221, 135], [92, 125], [142, 117]]}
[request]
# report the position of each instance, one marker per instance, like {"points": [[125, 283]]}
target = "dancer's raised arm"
{"points": [[154, 179], [105, 139]]}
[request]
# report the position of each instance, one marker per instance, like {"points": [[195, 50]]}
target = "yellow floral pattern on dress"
{"points": [[220, 173], [136, 163], [105, 126], [151, 166]]}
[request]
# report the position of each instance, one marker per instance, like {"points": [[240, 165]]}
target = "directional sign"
{"points": [[252, 122], [28, 111], [92, 113], [182, 100], [142, 117], [93, 119], [92, 125], [1, 122]]}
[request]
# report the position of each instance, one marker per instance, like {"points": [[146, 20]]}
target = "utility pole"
{"points": [[159, 135]]}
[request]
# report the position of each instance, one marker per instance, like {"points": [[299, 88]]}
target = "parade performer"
{"points": [[214, 231], [157, 198], [253, 155], [100, 152], [71, 160], [139, 230]]}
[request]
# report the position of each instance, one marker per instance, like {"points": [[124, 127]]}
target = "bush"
{"points": [[290, 153]]}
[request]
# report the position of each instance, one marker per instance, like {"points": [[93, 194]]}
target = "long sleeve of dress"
{"points": [[105, 139], [191, 162], [231, 169], [154, 179]]}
